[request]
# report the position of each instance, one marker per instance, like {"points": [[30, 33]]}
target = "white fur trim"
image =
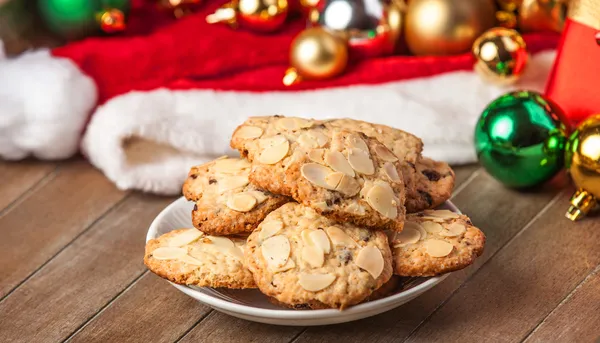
{"points": [[44, 104], [128, 137]]}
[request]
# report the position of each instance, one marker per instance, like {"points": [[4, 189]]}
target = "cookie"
{"points": [[434, 182], [436, 242], [305, 260], [189, 257], [342, 174], [226, 203]]}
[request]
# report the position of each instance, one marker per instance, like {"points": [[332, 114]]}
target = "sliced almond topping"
{"points": [[169, 253], [316, 174], [305, 234], [321, 138], [249, 132], [274, 154], [190, 260], [232, 182], [303, 123], [184, 238], [338, 162], [366, 188], [271, 141], [276, 251], [382, 200], [438, 248], [445, 214], [319, 239], [370, 259], [241, 202], [287, 124], [431, 227], [258, 195], [236, 252], [385, 154], [339, 237], [322, 205], [348, 186], [202, 254], [391, 172], [230, 165], [221, 243], [317, 155], [361, 161], [290, 264], [415, 226], [453, 230], [307, 141], [315, 282], [313, 256], [354, 141], [332, 180], [269, 228], [407, 236], [356, 208], [305, 223]]}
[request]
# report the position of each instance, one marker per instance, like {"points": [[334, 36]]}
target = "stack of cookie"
{"points": [[317, 214]]}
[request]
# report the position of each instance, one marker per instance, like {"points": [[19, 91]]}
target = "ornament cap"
{"points": [[111, 20], [291, 77], [581, 203]]}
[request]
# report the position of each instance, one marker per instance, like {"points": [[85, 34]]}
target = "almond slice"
{"points": [[356, 208], [391, 172], [290, 264], [316, 174], [415, 226], [319, 239], [184, 238], [370, 259], [274, 154], [333, 179], [230, 165], [338, 162], [321, 138], [190, 260], [248, 132], [385, 154], [382, 200], [258, 195], [269, 228], [438, 248], [431, 227], [305, 234], [366, 188], [276, 251], [307, 141], [354, 141], [303, 123], [348, 186], [232, 182], [315, 282], [444, 214], [241, 202], [221, 243], [268, 142], [360, 161], [407, 236], [289, 124], [313, 256], [453, 230], [201, 254], [317, 155], [236, 252], [339, 237], [169, 253]]}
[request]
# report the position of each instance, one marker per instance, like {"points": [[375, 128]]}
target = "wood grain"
{"points": [[86, 275], [516, 289], [511, 211], [51, 217], [17, 178], [577, 319]]}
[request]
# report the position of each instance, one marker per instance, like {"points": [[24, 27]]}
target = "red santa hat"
{"points": [[145, 106]]}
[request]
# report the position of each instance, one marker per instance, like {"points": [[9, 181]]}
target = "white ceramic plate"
{"points": [[253, 305]]}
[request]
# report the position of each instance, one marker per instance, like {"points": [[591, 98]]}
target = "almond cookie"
{"points": [[434, 182], [226, 203], [305, 260], [189, 257], [436, 242]]}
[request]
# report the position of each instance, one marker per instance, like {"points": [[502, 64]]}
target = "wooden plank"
{"points": [[520, 286], [50, 218], [482, 199], [577, 319], [150, 311], [18, 177], [82, 278], [463, 173]]}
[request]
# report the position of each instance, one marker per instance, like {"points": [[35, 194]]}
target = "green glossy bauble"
{"points": [[75, 19], [520, 139]]}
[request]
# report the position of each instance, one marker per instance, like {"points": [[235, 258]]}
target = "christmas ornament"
{"points": [[501, 55], [256, 15], [179, 8], [506, 19], [509, 5], [306, 6], [372, 27], [316, 54], [542, 15], [74, 19], [520, 139], [583, 162], [446, 27]]}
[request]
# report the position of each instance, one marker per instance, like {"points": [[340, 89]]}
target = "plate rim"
{"points": [[286, 313]]}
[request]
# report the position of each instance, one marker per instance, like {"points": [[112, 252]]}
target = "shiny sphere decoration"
{"points": [[372, 27], [520, 139], [542, 15], [446, 27], [316, 54], [179, 8], [501, 55], [583, 163], [256, 15]]}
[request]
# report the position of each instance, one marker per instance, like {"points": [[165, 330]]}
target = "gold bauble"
{"points": [[509, 5], [506, 19], [316, 54], [542, 15], [583, 163], [179, 8], [501, 55], [257, 15], [446, 27]]}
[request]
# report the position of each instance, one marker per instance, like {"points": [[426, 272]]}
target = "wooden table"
{"points": [[71, 250]]}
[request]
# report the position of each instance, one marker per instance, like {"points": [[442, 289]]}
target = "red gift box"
{"points": [[572, 83]]}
